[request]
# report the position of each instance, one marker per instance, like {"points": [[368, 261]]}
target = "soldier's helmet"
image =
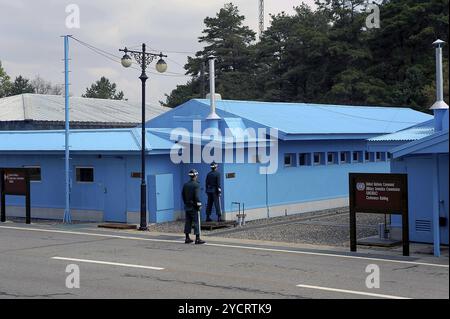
{"points": [[193, 173], [214, 165]]}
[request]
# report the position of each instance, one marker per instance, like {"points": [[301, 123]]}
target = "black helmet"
{"points": [[193, 173], [214, 165]]}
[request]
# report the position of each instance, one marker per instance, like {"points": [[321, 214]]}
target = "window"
{"points": [[355, 156], [389, 156], [330, 158], [378, 156], [317, 158], [288, 160], [85, 174], [34, 172], [344, 157], [366, 156], [303, 159]]}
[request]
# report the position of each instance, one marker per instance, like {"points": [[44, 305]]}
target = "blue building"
{"points": [[421, 152], [309, 149]]}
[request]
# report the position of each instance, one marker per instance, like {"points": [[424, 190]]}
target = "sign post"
{"points": [[379, 194], [15, 181]]}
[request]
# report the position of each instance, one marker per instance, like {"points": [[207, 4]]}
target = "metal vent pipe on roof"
{"points": [[439, 106], [212, 86]]}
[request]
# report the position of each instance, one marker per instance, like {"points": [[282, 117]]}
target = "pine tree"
{"points": [[5, 82], [21, 85], [104, 89], [226, 38]]}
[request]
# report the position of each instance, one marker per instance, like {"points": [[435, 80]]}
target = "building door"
{"points": [[420, 193], [443, 196], [114, 183], [161, 204]]}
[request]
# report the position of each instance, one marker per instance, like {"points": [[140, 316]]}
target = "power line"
{"points": [[116, 58]]}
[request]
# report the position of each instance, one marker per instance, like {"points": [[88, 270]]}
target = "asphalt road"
{"points": [[124, 264]]}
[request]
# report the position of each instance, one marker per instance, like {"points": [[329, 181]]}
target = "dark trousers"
{"points": [[213, 198], [191, 221]]}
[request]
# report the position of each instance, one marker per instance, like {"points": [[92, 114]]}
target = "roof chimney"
{"points": [[439, 107], [212, 95]]}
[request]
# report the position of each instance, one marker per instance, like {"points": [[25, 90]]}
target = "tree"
{"points": [[21, 85], [291, 56], [226, 38], [42, 86], [104, 89], [403, 57], [327, 55], [5, 82]]}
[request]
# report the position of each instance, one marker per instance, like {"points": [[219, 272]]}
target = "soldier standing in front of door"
{"points": [[213, 191], [192, 205]]}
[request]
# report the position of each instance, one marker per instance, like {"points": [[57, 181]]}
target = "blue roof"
{"points": [[307, 118], [413, 133], [111, 140], [435, 143]]}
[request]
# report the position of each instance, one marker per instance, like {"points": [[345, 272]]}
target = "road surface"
{"points": [[125, 264]]}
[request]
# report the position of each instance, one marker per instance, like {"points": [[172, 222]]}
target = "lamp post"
{"points": [[144, 59]]}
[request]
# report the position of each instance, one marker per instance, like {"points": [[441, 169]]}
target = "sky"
{"points": [[31, 42]]}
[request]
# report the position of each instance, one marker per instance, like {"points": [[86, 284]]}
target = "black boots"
{"points": [[198, 241], [188, 240]]}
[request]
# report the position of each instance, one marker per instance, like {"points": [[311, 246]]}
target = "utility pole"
{"points": [[67, 217]]}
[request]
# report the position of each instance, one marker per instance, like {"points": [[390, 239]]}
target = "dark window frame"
{"points": [[333, 158], [358, 157], [291, 160], [320, 162], [305, 158], [31, 167], [78, 174], [346, 157]]}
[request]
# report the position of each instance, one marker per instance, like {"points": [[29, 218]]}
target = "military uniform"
{"points": [[213, 191], [192, 204]]}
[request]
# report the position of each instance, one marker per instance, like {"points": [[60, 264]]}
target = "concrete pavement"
{"points": [[131, 264]]}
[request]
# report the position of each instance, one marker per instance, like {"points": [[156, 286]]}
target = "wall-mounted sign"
{"points": [[379, 194], [15, 181], [230, 175]]}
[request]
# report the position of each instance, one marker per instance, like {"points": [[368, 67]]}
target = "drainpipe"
{"points": [[439, 107]]}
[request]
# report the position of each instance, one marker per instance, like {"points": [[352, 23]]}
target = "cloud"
{"points": [[31, 43]]}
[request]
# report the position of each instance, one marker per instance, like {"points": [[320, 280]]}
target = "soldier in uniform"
{"points": [[192, 205], [213, 191]]}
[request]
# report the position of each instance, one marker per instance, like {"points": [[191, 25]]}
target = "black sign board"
{"points": [[379, 194], [15, 181]]}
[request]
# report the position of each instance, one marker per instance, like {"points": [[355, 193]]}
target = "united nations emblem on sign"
{"points": [[360, 186]]}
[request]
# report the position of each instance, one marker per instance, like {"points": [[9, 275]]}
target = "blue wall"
{"points": [[297, 183], [420, 170], [113, 184]]}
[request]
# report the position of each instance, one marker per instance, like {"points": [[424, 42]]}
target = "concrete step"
{"points": [[118, 226]]}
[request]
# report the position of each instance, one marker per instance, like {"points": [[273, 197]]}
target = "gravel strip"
{"points": [[326, 227]]}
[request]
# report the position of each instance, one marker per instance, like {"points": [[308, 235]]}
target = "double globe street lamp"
{"points": [[144, 59]]}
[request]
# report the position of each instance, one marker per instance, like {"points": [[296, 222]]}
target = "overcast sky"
{"points": [[30, 42]]}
